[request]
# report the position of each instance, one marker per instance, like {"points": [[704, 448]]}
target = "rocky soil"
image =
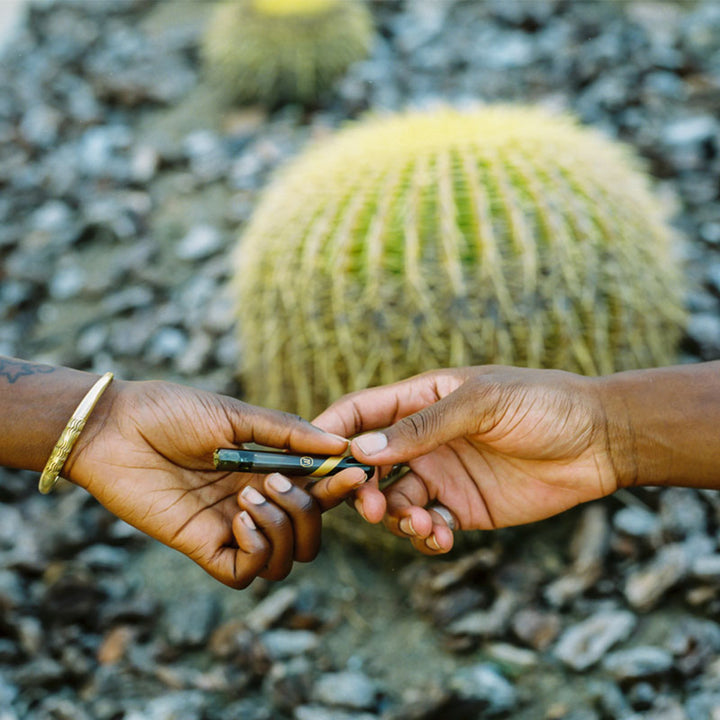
{"points": [[124, 184]]}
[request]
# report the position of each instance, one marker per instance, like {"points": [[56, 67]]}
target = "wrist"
{"points": [[621, 438], [663, 425]]}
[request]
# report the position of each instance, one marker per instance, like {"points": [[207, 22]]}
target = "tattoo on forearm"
{"points": [[12, 369]]}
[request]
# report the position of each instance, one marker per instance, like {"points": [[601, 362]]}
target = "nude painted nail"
{"points": [[372, 443], [432, 543], [358, 507], [360, 481], [339, 437], [406, 526], [252, 495], [279, 483], [247, 520]]}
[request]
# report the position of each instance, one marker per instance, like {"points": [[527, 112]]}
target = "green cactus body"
{"points": [[284, 50], [427, 240]]}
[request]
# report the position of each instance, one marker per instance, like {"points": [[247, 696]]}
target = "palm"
{"points": [[487, 488], [159, 448]]}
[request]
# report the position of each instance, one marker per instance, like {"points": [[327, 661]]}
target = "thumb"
{"points": [[418, 434]]}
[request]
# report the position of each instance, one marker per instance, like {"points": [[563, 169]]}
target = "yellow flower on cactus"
{"points": [[284, 50], [433, 239]]}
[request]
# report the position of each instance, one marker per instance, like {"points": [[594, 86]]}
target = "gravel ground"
{"points": [[119, 202]]}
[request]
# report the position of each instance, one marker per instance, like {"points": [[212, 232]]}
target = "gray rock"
{"points": [[281, 644], [12, 593], [710, 233], [610, 700], [103, 558], [59, 708], [704, 330], [11, 526], [207, 155], [8, 693], [713, 277], [168, 343], [588, 548], [351, 690], [703, 705], [54, 218], [691, 131], [40, 125], [682, 513], [490, 623], [695, 643], [706, 568], [41, 673], [269, 611], [584, 644], [642, 661], [318, 712], [201, 242], [509, 655], [190, 622], [144, 164], [67, 282], [288, 684], [185, 705], [9, 654], [99, 151], [536, 628], [636, 522], [485, 687], [246, 709], [91, 341], [645, 586], [642, 695], [195, 355], [666, 708]]}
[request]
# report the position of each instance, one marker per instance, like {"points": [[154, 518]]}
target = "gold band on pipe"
{"points": [[327, 466], [70, 434]]}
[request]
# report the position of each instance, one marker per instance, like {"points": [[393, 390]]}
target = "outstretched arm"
{"points": [[146, 454], [502, 446]]}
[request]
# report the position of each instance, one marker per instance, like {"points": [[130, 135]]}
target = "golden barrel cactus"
{"points": [[284, 50], [447, 238]]}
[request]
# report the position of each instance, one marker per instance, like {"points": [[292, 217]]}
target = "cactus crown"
{"points": [[293, 7], [284, 50], [423, 240]]}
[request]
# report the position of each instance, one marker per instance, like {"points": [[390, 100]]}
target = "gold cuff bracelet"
{"points": [[70, 434]]}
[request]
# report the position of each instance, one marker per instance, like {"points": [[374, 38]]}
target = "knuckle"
{"points": [[276, 520], [237, 583], [276, 573], [418, 425]]}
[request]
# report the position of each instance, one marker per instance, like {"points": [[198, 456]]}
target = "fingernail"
{"points": [[372, 443], [339, 437], [432, 543], [360, 481], [358, 507], [406, 526], [245, 517], [252, 495], [279, 483]]}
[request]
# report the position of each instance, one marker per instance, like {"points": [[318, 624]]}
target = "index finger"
{"points": [[274, 428], [382, 406]]}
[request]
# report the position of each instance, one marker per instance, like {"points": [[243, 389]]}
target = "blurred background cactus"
{"points": [[275, 51], [432, 239]]}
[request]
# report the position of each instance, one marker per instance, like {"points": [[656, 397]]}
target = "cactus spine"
{"points": [[425, 240]]}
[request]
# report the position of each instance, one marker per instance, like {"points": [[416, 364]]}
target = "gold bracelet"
{"points": [[70, 434]]}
